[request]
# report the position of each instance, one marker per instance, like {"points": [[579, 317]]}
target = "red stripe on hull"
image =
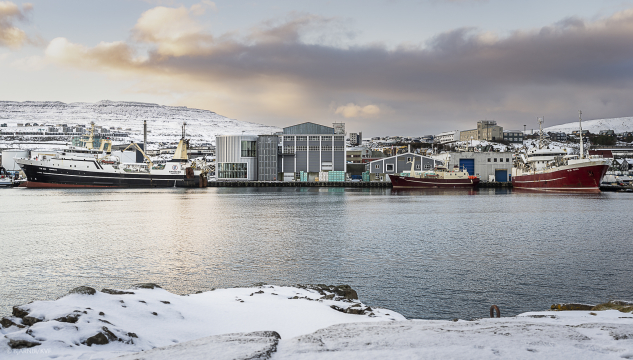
{"points": [[403, 182], [42, 185], [585, 179]]}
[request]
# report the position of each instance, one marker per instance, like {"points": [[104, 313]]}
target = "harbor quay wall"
{"points": [[350, 184]]}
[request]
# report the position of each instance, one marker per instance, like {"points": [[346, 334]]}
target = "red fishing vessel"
{"points": [[555, 170]]}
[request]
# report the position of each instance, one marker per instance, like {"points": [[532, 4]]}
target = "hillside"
{"points": [[163, 122], [619, 125]]}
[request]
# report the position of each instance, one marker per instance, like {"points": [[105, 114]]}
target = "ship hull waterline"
{"points": [[40, 179], [578, 179], [404, 182]]}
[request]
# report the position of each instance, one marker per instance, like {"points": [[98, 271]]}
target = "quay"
{"points": [[350, 184]]}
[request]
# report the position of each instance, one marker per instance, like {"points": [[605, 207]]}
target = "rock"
{"points": [[337, 308], [7, 323], [21, 344], [165, 302], [70, 318], [83, 290], [19, 312], [101, 338], [564, 307], [116, 292], [30, 320], [154, 313], [146, 286], [132, 335], [328, 297], [346, 291], [101, 313]]}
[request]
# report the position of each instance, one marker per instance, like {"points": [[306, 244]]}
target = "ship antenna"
{"points": [[582, 145], [540, 126]]}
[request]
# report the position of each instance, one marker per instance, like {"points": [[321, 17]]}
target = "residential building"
{"points": [[513, 136], [557, 136], [356, 139], [447, 137], [357, 154]]}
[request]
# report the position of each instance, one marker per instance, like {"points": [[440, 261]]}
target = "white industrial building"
{"points": [[447, 137], [379, 170], [236, 157], [487, 166]]}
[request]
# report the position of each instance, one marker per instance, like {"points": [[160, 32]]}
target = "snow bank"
{"points": [[114, 322], [313, 322]]}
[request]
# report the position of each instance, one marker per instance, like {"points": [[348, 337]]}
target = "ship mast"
{"points": [[540, 126], [582, 145]]}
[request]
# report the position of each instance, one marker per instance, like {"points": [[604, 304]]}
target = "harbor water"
{"points": [[426, 254]]}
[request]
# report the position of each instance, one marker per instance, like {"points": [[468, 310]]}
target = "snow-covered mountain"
{"points": [[619, 125], [163, 122]]}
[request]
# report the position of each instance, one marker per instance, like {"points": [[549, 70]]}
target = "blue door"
{"points": [[501, 175], [469, 164]]}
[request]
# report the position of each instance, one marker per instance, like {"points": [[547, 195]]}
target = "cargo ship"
{"points": [[440, 177], [91, 168], [555, 170]]}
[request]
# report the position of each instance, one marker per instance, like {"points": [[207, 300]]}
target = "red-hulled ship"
{"points": [[554, 170], [440, 177]]}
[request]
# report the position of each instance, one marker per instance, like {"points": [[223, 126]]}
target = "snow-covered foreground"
{"points": [[295, 323]]}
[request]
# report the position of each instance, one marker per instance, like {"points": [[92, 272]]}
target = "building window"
{"points": [[326, 147], [232, 170], [302, 148], [289, 138], [500, 159], [507, 159], [417, 167], [314, 148], [289, 149], [338, 148], [339, 138], [427, 166], [326, 138], [389, 167], [488, 159], [495, 159], [376, 166], [314, 138], [409, 158], [249, 148], [301, 138]]}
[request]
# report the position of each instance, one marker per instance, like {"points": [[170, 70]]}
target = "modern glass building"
{"points": [[236, 157]]}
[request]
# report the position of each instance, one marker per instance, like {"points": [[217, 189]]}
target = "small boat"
{"points": [[439, 177]]}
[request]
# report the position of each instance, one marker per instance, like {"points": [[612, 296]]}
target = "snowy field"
{"points": [[618, 125], [163, 122], [313, 322]]}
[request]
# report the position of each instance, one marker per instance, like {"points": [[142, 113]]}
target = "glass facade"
{"points": [[249, 148], [233, 170]]}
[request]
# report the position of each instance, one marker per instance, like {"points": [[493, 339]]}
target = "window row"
{"points": [[232, 170], [500, 159], [313, 138]]}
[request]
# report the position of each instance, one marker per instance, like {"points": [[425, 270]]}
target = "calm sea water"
{"points": [[434, 255]]}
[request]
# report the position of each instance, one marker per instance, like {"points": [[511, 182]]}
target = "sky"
{"points": [[384, 67]]}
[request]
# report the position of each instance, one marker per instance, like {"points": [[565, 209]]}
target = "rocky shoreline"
{"points": [[311, 321]]}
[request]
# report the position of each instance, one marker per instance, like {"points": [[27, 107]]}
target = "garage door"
{"points": [[469, 164], [501, 175]]}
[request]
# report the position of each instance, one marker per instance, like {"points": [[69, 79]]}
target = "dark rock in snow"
{"points": [[7, 323], [83, 290], [70, 318], [101, 338], [165, 302], [19, 312], [571, 307], [30, 320], [147, 286], [21, 344], [117, 292]]}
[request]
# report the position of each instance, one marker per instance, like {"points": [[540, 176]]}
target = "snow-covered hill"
{"points": [[163, 122], [619, 125]]}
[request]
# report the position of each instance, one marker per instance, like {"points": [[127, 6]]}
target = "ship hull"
{"points": [[404, 182], [43, 177], [579, 178]]}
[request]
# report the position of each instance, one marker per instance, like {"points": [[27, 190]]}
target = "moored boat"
{"points": [[440, 177], [555, 170]]}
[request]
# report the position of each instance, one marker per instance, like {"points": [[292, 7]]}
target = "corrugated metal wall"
{"points": [[308, 128]]}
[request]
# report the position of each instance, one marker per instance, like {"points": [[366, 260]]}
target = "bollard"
{"points": [[492, 311]]}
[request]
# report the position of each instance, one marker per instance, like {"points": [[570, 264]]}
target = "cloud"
{"points": [[351, 110], [271, 72], [11, 36]]}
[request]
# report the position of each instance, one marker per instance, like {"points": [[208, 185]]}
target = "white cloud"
{"points": [[352, 110], [10, 35]]}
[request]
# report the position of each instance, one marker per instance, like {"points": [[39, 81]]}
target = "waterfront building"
{"points": [[267, 157], [487, 166], [236, 157], [312, 148], [380, 169], [356, 139]]}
